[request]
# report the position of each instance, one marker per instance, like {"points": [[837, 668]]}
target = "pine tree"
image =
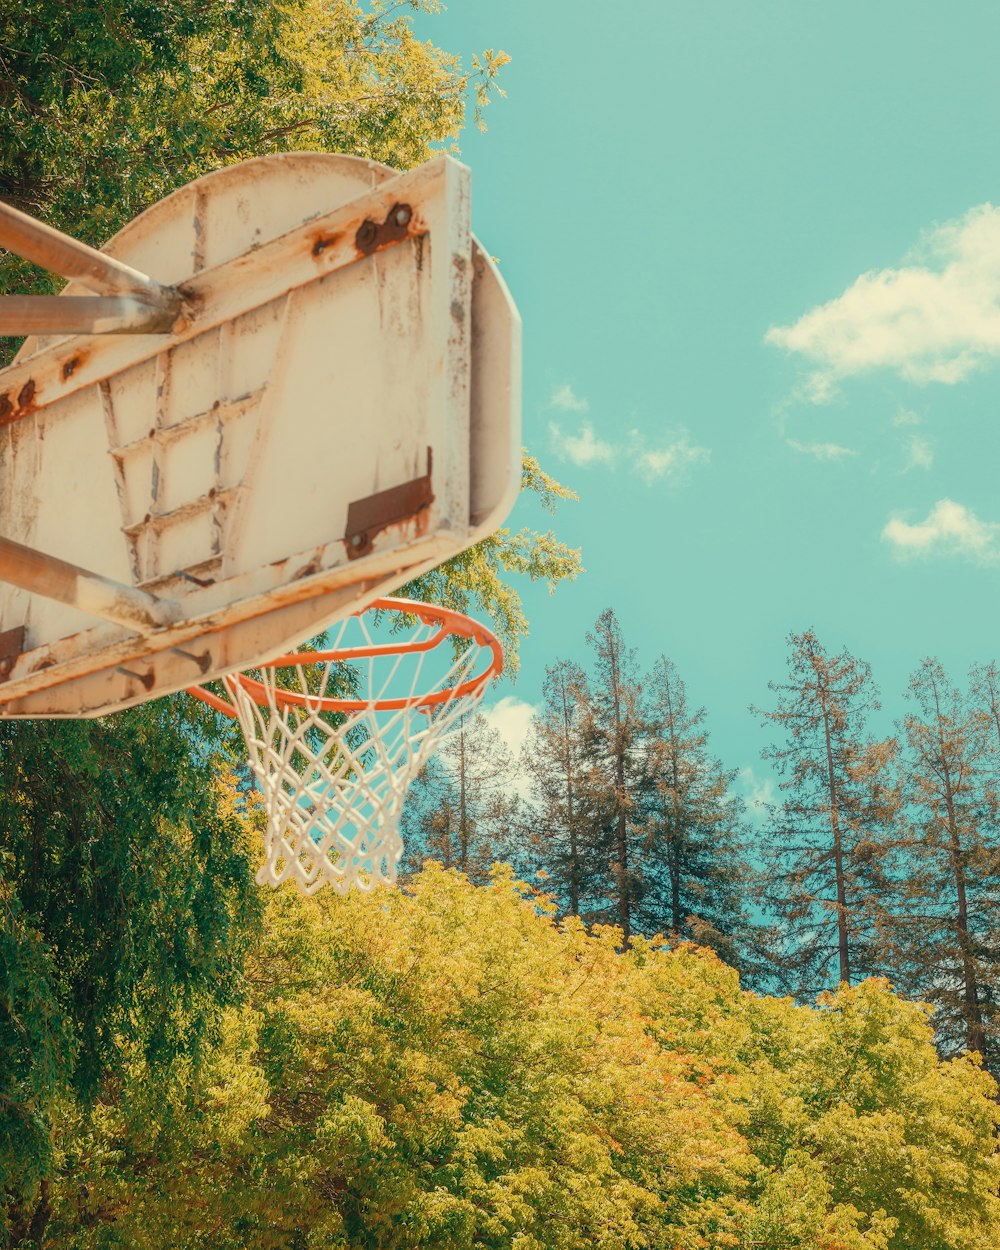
{"points": [[616, 775], [691, 857], [463, 808], [429, 824], [553, 757], [824, 873], [953, 879], [984, 686]]}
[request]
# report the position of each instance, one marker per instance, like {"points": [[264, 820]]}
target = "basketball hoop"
{"points": [[334, 765]]}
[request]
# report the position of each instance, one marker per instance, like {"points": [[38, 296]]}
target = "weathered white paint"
{"points": [[215, 468]]}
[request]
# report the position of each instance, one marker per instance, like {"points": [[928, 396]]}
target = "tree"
{"points": [[126, 909], [617, 775], [450, 1067], [111, 104], [984, 688], [553, 757], [462, 809], [823, 869], [849, 1105], [691, 856], [477, 578], [951, 953]]}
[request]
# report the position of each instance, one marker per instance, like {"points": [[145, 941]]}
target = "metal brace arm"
{"points": [[134, 303], [90, 592]]}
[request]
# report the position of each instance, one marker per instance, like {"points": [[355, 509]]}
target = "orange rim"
{"points": [[452, 625]]}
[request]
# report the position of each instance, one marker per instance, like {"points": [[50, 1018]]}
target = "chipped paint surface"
{"points": [[318, 370]]}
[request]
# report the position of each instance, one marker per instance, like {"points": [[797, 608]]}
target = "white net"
{"points": [[334, 767]]}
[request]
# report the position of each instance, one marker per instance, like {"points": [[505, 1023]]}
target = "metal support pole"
{"points": [[133, 304], [90, 592], [82, 314], [59, 253]]}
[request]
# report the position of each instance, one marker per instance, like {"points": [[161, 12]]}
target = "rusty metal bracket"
{"points": [[366, 518], [371, 236]]}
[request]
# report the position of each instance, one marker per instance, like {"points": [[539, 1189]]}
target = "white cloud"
{"points": [[919, 454], [582, 448], [937, 319], [906, 416], [758, 791], [817, 388], [566, 399], [950, 528], [511, 717], [585, 447], [668, 461], [822, 451]]}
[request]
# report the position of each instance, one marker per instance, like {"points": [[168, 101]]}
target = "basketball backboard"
{"points": [[335, 411]]}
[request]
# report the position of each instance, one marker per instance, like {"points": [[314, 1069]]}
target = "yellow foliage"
{"points": [[451, 1066]]}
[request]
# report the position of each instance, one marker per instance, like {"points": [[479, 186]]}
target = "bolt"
{"points": [[401, 214], [366, 236], [204, 661], [358, 545], [145, 680]]}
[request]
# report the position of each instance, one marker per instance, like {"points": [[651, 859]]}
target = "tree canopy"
{"points": [[449, 1066], [108, 105], [127, 906]]}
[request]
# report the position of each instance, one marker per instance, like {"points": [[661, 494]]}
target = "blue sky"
{"points": [[757, 257]]}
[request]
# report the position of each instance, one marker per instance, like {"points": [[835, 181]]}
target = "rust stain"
{"points": [[192, 307], [190, 577], [315, 565], [72, 363], [399, 224], [11, 646], [321, 242], [24, 405], [408, 504], [146, 680]]}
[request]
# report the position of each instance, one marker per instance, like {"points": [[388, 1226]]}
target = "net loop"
{"points": [[334, 765]]}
